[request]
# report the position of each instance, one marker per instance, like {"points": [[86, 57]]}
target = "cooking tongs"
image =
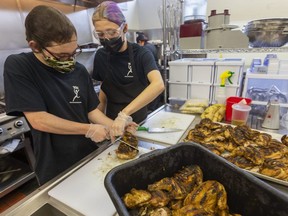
{"points": [[120, 139]]}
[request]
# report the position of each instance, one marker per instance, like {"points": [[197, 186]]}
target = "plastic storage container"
{"points": [[191, 78], [178, 78], [240, 113], [230, 101], [246, 194]]}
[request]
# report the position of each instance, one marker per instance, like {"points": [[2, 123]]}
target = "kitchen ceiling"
{"points": [[83, 3]]}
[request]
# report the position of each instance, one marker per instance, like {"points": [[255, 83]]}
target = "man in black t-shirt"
{"points": [[142, 40], [54, 93]]}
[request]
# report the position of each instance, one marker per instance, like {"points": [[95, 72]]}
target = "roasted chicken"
{"points": [[274, 168], [159, 198], [271, 152], [189, 177], [210, 196], [284, 139], [263, 139], [136, 198], [124, 151], [190, 210], [250, 153], [241, 162], [148, 211], [183, 194], [244, 147], [181, 183]]}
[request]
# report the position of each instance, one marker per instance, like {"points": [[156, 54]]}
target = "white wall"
{"points": [[148, 14], [132, 15], [143, 14], [246, 10]]}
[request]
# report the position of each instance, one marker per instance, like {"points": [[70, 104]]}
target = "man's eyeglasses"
{"points": [[109, 33], [64, 56]]}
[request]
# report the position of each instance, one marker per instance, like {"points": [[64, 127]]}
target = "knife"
{"points": [[10, 171], [131, 146], [158, 130], [121, 140]]}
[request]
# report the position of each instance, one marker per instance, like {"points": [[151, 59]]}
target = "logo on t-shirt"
{"points": [[130, 72], [76, 98]]}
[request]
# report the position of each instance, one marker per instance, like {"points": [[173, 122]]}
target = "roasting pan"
{"points": [[246, 194]]}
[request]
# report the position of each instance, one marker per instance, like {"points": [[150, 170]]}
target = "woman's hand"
{"points": [[119, 124], [132, 127]]}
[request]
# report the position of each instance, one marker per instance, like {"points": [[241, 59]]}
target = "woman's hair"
{"points": [[46, 24], [110, 11]]}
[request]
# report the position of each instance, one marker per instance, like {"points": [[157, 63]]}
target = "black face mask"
{"points": [[113, 44]]}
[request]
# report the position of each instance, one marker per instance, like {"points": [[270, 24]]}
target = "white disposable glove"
{"points": [[132, 127], [97, 132], [119, 124]]}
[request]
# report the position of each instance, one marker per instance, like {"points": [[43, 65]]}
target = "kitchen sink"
{"points": [[48, 210]]}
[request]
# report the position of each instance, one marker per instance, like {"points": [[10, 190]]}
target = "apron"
{"points": [[119, 96]]}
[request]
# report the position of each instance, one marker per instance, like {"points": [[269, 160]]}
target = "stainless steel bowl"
{"points": [[267, 32]]}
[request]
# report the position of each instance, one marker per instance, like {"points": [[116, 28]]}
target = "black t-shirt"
{"points": [[119, 62], [32, 86], [153, 49]]}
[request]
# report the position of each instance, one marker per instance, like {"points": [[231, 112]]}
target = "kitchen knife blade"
{"points": [[10, 171], [131, 146], [158, 130]]}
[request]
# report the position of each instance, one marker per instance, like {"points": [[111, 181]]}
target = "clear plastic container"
{"points": [[194, 9], [233, 100], [240, 113]]}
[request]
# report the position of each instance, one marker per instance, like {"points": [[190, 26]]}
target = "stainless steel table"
{"points": [[40, 203]]}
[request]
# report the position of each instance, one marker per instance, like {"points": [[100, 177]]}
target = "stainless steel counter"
{"points": [[39, 202], [40, 197]]}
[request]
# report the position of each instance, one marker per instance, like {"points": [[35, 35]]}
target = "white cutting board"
{"points": [[84, 190], [166, 120]]}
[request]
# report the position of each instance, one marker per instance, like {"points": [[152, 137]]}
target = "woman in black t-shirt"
{"points": [[130, 78]]}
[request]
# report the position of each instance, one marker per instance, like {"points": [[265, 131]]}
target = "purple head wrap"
{"points": [[109, 10]]}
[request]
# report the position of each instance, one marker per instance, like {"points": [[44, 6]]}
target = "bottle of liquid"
{"points": [[220, 96]]}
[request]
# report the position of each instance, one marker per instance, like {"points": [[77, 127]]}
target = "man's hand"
{"points": [[119, 124], [97, 132]]}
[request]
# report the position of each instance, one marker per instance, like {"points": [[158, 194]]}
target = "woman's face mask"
{"points": [[112, 44], [65, 66]]}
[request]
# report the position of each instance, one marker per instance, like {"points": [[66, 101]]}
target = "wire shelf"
{"points": [[232, 50]]}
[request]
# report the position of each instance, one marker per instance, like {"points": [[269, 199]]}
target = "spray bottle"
{"points": [[221, 92]]}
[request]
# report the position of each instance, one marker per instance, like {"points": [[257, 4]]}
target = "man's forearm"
{"points": [[49, 123]]}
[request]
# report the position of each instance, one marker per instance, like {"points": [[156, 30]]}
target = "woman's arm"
{"points": [[96, 116], [155, 88], [103, 101]]}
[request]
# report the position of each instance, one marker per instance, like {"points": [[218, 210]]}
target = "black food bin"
{"points": [[246, 194]]}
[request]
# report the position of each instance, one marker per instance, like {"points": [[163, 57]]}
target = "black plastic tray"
{"points": [[247, 195]]}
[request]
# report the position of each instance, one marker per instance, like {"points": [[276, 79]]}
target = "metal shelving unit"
{"points": [[233, 50]]}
